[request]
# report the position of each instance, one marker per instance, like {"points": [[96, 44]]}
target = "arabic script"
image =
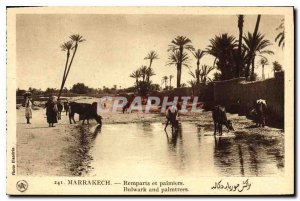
{"points": [[238, 187]]}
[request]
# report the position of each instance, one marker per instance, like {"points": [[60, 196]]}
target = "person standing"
{"points": [[51, 111], [28, 109]]}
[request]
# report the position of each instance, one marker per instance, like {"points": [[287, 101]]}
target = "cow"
{"points": [[66, 107], [126, 107], [86, 112], [220, 119], [260, 111], [171, 116], [59, 109]]}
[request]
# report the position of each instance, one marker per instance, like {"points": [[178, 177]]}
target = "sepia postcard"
{"points": [[150, 101]]}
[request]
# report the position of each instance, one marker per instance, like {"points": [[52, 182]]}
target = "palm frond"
{"points": [[66, 46]]}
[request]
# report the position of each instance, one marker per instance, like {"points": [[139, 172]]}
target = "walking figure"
{"points": [[51, 111]]}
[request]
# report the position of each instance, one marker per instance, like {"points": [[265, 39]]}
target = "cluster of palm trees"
{"points": [[165, 81], [68, 46], [233, 58], [144, 73]]}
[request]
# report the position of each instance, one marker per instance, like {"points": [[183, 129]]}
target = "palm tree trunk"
{"points": [[150, 63], [263, 72], [252, 46], [252, 70], [178, 76], [180, 66], [198, 79], [62, 82], [240, 25]]}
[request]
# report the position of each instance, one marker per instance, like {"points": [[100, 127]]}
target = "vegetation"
{"points": [[240, 55], [276, 67], [263, 62], [136, 75], [178, 57], [144, 86], [193, 84], [280, 36], [165, 80], [258, 46], [198, 55], [75, 39], [202, 74], [170, 78], [233, 57], [222, 48]]}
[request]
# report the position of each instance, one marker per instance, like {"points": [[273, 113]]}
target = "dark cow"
{"points": [[66, 107], [60, 109], [220, 119], [126, 107], [86, 112], [260, 112], [171, 115]]}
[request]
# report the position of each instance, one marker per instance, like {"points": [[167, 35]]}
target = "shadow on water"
{"points": [[81, 165], [253, 154], [174, 135]]}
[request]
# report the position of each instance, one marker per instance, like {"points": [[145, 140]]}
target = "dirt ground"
{"points": [[56, 151]]}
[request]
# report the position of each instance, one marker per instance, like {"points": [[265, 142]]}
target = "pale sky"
{"points": [[116, 45]]}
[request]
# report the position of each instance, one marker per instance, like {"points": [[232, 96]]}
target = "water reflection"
{"points": [[174, 135], [190, 151], [97, 131]]}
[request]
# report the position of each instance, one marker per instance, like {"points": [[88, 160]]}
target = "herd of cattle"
{"points": [[89, 111]]}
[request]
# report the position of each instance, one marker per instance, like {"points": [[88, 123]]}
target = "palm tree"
{"points": [[222, 47], [170, 78], [143, 72], [263, 62], [165, 80], [76, 39], [176, 59], [280, 35], [149, 73], [251, 50], [240, 26], [205, 70], [256, 46], [276, 67], [193, 84], [151, 56], [198, 55], [136, 75], [177, 46], [65, 47]]}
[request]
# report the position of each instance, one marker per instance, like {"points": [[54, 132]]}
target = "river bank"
{"points": [[63, 150]]}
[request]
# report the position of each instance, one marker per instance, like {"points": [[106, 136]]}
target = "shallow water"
{"points": [[145, 149]]}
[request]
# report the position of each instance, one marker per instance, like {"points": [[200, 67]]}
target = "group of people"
{"points": [[53, 109]]}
